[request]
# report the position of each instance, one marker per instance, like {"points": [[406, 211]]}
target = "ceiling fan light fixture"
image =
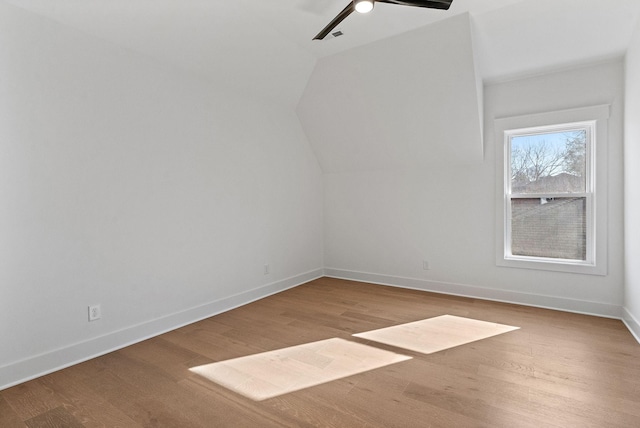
{"points": [[363, 6]]}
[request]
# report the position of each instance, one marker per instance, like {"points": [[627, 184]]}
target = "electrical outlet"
{"points": [[425, 265], [94, 312], [266, 269]]}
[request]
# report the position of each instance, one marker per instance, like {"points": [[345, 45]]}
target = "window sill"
{"points": [[568, 266]]}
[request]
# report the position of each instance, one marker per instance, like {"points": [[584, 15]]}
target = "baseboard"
{"points": [[464, 290], [39, 365], [632, 323]]}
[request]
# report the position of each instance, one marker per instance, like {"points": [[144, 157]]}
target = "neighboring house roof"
{"points": [[560, 183]]}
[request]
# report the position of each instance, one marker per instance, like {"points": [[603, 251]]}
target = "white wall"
{"points": [[395, 102], [632, 191], [126, 183], [381, 225]]}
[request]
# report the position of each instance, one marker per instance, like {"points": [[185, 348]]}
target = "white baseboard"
{"points": [[632, 323], [39, 365], [464, 290]]}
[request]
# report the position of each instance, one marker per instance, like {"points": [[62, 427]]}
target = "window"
{"points": [[549, 194], [551, 211]]}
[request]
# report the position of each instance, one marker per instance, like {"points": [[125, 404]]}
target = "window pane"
{"points": [[553, 162], [549, 227]]}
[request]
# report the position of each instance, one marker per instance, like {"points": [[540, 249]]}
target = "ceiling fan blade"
{"points": [[432, 4], [338, 19]]}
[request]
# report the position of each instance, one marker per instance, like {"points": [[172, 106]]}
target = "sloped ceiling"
{"points": [[401, 103], [400, 88], [537, 36], [265, 46]]}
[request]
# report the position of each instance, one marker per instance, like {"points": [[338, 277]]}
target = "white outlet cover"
{"points": [[94, 312]]}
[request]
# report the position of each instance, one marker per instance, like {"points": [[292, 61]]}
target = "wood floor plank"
{"points": [[473, 409], [592, 410], [164, 355], [54, 418], [8, 417], [30, 399], [232, 410], [558, 370], [616, 403], [80, 401], [392, 408]]}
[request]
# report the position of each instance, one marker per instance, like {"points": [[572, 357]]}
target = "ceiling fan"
{"points": [[364, 6]]}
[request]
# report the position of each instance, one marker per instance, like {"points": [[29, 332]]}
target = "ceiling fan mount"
{"points": [[364, 6]]}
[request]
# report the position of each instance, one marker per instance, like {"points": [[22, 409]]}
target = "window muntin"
{"points": [[549, 194]]}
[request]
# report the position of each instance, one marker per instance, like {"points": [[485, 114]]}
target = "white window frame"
{"points": [[594, 119]]}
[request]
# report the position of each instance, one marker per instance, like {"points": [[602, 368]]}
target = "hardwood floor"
{"points": [[557, 370]]}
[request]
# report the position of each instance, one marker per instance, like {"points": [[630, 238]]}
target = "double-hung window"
{"points": [[551, 180]]}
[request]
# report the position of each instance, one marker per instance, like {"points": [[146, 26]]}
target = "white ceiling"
{"points": [[265, 46]]}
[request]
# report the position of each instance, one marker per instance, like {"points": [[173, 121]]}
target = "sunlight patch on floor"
{"points": [[436, 334], [270, 374]]}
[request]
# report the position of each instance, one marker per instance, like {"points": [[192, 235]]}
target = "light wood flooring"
{"points": [[557, 370]]}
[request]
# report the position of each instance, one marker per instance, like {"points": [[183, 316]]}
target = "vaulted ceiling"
{"points": [[265, 46], [401, 89]]}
